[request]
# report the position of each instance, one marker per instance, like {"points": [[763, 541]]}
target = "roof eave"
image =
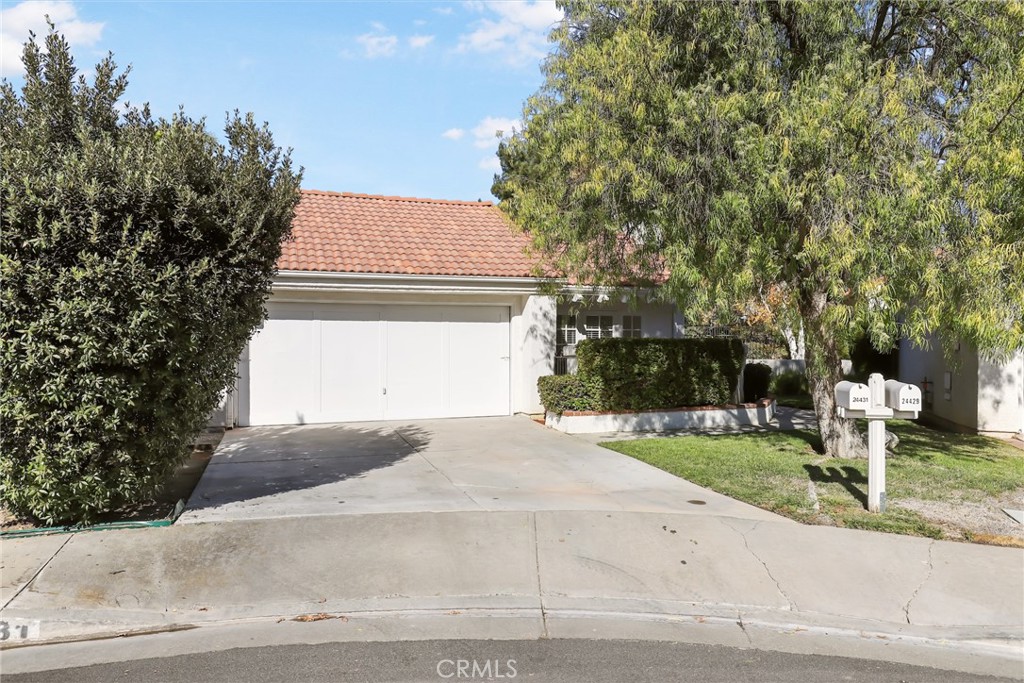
{"points": [[304, 280]]}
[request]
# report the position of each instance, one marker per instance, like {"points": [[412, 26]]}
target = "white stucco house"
{"points": [[392, 308], [967, 392]]}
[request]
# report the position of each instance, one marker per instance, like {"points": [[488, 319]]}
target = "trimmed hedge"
{"points": [[756, 379], [559, 393], [646, 374], [790, 383]]}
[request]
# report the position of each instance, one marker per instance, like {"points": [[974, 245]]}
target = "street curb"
{"points": [[978, 650]]}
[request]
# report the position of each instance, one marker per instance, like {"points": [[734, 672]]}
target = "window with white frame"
{"points": [[565, 336], [631, 326], [566, 330], [598, 326]]}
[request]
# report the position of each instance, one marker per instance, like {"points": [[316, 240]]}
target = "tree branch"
{"points": [[883, 10], [796, 40], [1006, 113]]}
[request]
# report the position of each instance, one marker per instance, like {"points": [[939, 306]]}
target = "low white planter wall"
{"points": [[700, 417], [779, 365]]}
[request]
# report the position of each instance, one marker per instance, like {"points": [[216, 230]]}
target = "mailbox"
{"points": [[853, 396], [902, 398], [877, 401]]}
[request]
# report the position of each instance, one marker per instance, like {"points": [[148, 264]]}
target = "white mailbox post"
{"points": [[877, 401]]}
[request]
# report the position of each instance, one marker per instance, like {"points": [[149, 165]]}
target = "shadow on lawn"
{"points": [[810, 436], [926, 443], [846, 476]]}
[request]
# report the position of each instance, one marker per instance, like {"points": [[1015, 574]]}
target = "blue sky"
{"points": [[395, 98]]}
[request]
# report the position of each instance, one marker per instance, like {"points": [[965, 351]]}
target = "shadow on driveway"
{"points": [[257, 463]]}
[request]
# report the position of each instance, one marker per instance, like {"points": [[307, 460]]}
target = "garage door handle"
{"points": [[385, 391]]}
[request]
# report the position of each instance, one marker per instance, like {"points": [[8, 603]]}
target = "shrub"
{"points": [[646, 374], [136, 257], [756, 379], [790, 383], [559, 393]]}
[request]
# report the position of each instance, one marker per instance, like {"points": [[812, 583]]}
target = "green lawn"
{"points": [[777, 471], [803, 401]]}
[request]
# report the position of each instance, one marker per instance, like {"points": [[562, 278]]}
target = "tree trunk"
{"points": [[795, 341], [824, 370]]}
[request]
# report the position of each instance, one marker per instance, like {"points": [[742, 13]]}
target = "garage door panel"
{"points": [[283, 370], [350, 358], [478, 361], [416, 349]]}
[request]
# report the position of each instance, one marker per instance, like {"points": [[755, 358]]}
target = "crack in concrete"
{"points": [[540, 590], [38, 571], [928, 575], [743, 628], [746, 544], [437, 469]]}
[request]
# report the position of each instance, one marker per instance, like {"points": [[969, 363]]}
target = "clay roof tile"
{"points": [[345, 232]]}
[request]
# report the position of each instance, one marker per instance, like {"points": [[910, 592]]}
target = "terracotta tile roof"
{"points": [[358, 233]]}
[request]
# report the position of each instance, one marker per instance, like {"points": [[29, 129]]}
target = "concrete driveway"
{"points": [[504, 463]]}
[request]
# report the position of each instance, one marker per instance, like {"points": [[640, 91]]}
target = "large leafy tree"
{"points": [[136, 257], [858, 164]]}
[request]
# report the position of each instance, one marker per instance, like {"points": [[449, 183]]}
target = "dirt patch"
{"points": [[9, 522], [161, 505], [965, 519]]}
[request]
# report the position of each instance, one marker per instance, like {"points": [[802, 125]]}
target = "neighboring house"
{"points": [[967, 392], [388, 308]]}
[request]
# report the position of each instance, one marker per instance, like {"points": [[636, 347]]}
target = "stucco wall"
{"points": [[533, 349], [959, 403], [1001, 396]]}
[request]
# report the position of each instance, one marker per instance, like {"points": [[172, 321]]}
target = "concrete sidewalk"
{"points": [[519, 575]]}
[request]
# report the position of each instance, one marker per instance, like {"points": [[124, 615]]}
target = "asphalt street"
{"points": [[557, 661]]}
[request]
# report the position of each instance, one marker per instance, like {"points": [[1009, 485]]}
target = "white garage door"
{"points": [[339, 363]]}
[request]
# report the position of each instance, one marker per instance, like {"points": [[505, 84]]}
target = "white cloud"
{"points": [[487, 131], [17, 21], [517, 31], [420, 41], [376, 44], [453, 134], [491, 163], [539, 15], [443, 10]]}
